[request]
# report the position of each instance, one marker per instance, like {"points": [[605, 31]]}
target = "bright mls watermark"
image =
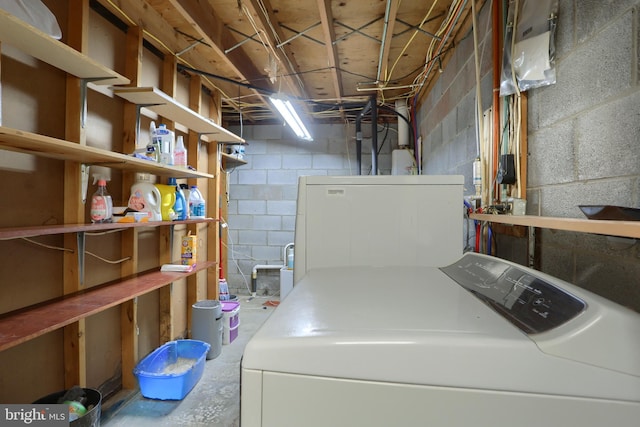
{"points": [[38, 415]]}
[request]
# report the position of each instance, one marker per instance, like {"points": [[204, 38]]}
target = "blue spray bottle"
{"points": [[181, 208]]}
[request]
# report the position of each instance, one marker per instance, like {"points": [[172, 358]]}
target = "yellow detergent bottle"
{"points": [[167, 200]]}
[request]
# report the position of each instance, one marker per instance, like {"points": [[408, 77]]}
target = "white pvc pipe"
{"points": [[265, 267], [403, 127], [254, 272]]}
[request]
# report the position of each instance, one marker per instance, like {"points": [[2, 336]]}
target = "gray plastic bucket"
{"points": [[206, 325]]}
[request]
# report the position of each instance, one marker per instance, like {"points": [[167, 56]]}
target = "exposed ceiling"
{"points": [[331, 54]]}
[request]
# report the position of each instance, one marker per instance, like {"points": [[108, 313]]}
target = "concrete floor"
{"points": [[215, 399]]}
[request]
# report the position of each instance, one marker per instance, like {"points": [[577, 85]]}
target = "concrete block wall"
{"points": [[584, 140], [262, 193]]}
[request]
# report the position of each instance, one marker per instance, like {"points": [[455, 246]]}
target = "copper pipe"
{"points": [[497, 49]]}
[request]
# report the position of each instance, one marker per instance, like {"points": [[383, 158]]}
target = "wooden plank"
{"points": [[36, 43], [326, 17], [75, 334], [45, 146], [129, 338], [45, 230], [609, 228], [229, 161], [161, 103], [25, 324], [129, 344]]}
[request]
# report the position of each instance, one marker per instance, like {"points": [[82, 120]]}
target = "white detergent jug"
{"points": [[145, 197]]}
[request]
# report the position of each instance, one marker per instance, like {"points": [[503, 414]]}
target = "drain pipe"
{"points": [[370, 105], [254, 272], [359, 144], [374, 136]]}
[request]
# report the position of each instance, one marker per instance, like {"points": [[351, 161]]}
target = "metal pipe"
{"points": [[370, 105], [374, 136], [359, 145], [385, 29]]}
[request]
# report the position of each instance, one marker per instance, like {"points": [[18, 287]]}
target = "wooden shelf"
{"points": [[25, 324], [31, 143], [229, 161], [610, 228], [164, 105], [46, 230], [34, 42]]}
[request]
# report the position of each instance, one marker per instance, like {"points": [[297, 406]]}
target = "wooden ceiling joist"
{"points": [[291, 68], [326, 17]]}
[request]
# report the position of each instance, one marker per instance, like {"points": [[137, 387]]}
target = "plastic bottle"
{"points": [[180, 207], [224, 290], [153, 148], [197, 204], [167, 201], [186, 191], [145, 197], [101, 203], [290, 258], [180, 153], [164, 137]]}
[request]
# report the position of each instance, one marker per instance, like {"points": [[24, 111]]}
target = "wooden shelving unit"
{"points": [[77, 303], [31, 143], [161, 103], [25, 324], [34, 42], [45, 230], [229, 161], [629, 229]]}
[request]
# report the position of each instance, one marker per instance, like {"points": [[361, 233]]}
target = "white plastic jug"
{"points": [[145, 197]]}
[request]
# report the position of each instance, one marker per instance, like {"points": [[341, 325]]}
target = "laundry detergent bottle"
{"points": [[145, 197], [167, 200]]}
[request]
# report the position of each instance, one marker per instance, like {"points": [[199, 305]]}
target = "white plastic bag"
{"points": [[34, 13], [529, 51]]}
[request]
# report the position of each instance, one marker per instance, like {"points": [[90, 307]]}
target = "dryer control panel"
{"points": [[532, 304]]}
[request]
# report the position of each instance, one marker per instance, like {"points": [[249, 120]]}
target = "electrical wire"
{"points": [[455, 10], [161, 43], [57, 248], [406, 46]]}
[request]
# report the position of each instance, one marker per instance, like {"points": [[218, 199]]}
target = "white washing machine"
{"points": [[482, 342], [375, 334]]}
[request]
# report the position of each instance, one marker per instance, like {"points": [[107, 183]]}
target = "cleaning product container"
{"points": [[206, 325], [197, 204], [230, 321], [145, 197], [171, 371], [93, 405], [167, 200], [165, 140], [181, 207]]}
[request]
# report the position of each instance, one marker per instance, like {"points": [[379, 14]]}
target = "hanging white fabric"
{"points": [[34, 13]]}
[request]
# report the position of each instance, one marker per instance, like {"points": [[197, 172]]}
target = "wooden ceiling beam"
{"points": [[269, 24], [164, 37], [203, 19], [326, 17]]}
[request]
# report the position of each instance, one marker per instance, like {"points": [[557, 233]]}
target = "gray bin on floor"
{"points": [[206, 325]]}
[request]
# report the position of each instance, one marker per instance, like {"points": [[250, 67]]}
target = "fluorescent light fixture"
{"points": [[289, 114]]}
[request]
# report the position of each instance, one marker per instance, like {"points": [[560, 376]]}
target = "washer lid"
{"points": [[413, 325]]}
